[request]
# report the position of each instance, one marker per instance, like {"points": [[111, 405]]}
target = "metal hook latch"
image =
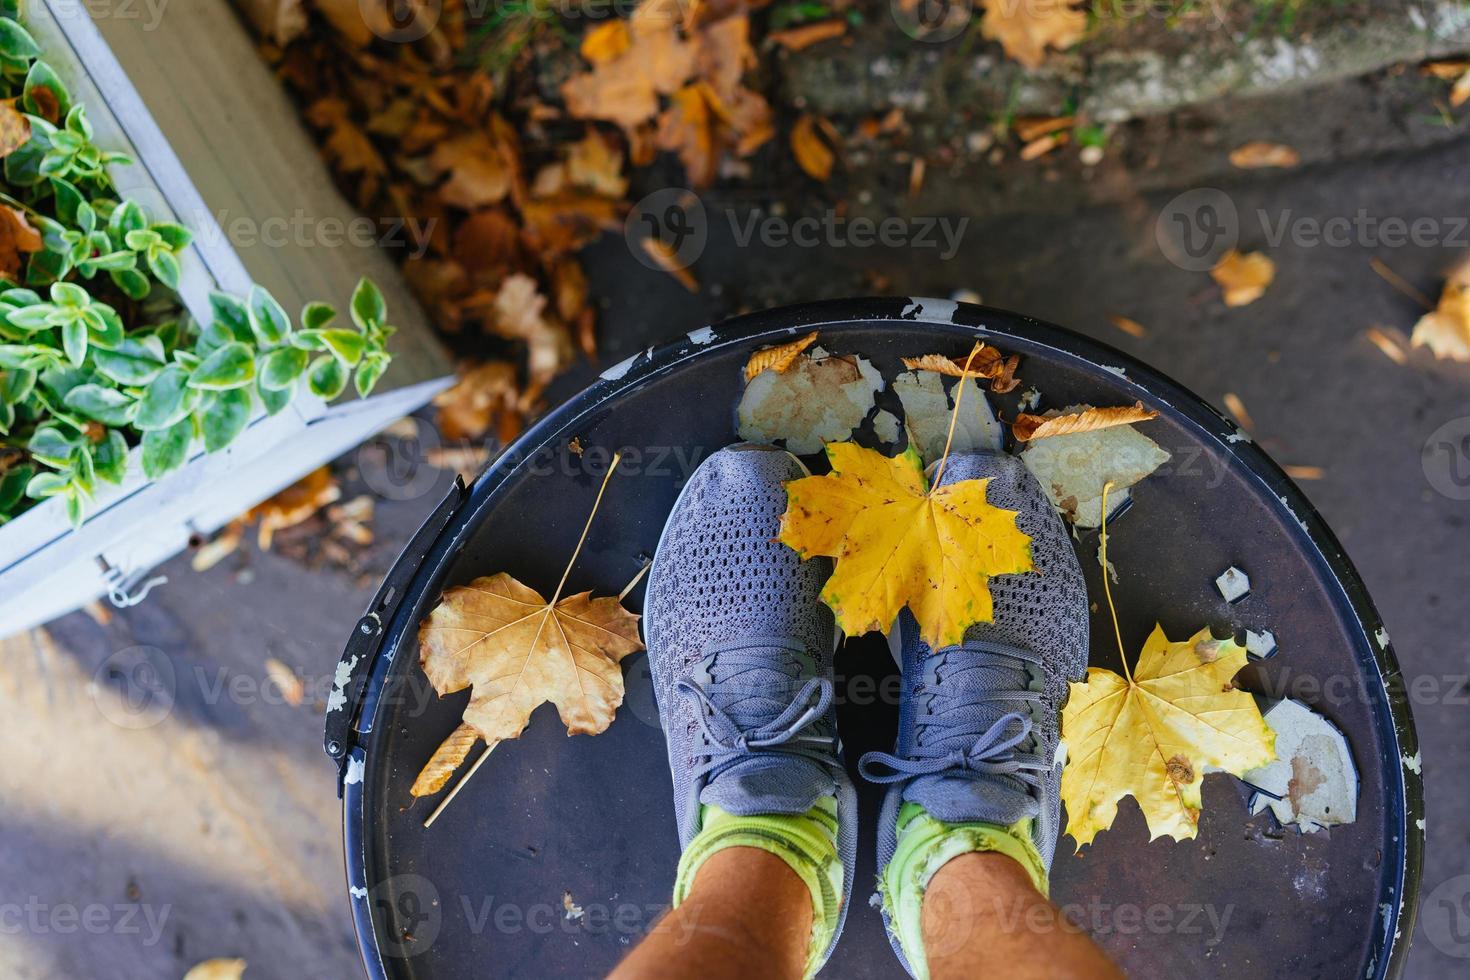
{"points": [[124, 590]]}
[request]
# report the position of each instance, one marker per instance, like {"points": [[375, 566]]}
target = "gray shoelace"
{"points": [[744, 686], [961, 729]]}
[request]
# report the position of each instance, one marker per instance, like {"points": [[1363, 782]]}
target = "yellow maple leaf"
{"points": [[517, 652], [899, 542], [1151, 733]]}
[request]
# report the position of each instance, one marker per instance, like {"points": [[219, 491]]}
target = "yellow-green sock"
{"points": [[924, 846], [807, 842]]}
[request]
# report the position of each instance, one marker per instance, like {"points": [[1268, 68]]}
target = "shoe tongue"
{"points": [[766, 783], [994, 799], [753, 696]]}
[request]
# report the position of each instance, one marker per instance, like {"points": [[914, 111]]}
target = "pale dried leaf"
{"points": [[821, 399], [1027, 428], [812, 140], [501, 638], [1026, 28], [286, 680], [1243, 277], [779, 358], [802, 37], [1128, 325], [1073, 469], [1258, 155], [445, 760], [1445, 330], [663, 254]]}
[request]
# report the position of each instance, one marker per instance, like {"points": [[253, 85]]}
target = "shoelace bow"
{"points": [[957, 711], [725, 741]]}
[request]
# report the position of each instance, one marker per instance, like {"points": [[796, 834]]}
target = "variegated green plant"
{"points": [[95, 358]]}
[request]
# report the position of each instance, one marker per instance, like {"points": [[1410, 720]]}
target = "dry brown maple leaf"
{"points": [[1243, 277], [485, 397], [778, 359], [500, 638], [479, 172], [1028, 427], [594, 164], [1445, 330], [15, 129], [1026, 28], [687, 128], [17, 240], [294, 505], [1258, 154]]}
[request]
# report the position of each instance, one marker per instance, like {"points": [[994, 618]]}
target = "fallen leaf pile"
{"points": [[1152, 733], [1445, 330], [899, 542], [501, 639]]}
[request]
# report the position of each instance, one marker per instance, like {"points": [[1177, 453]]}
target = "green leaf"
{"points": [[232, 366], [30, 318], [216, 335], [281, 368], [52, 446], [110, 457], [369, 371], [101, 404], [13, 485], [46, 484], [47, 267], [69, 295], [105, 325], [69, 201], [76, 122], [126, 217], [165, 450], [166, 400], [232, 313], [315, 316], [308, 340], [348, 345], [112, 261], [225, 415], [133, 283], [74, 340], [175, 236], [165, 267], [16, 385], [267, 318], [16, 41], [23, 167], [368, 308], [327, 378], [134, 362], [41, 76], [74, 510], [275, 399], [84, 470]]}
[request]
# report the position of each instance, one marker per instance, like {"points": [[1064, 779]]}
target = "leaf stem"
{"points": [[954, 416], [1107, 584], [550, 607]]}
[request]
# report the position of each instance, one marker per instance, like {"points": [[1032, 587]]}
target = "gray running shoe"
{"points": [[979, 722], [740, 649]]}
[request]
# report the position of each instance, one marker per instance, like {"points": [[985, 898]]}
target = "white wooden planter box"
{"points": [[214, 137]]}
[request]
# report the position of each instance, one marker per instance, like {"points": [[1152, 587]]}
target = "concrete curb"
{"points": [[936, 82]]}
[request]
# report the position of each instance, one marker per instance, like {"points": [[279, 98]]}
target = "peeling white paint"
{"points": [[1420, 824], [1414, 764], [619, 369], [1240, 435], [1112, 369], [337, 700], [931, 309], [702, 336], [355, 771], [1381, 635], [357, 892], [1287, 504]]}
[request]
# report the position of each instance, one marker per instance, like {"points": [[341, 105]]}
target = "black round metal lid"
{"points": [[561, 852]]}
